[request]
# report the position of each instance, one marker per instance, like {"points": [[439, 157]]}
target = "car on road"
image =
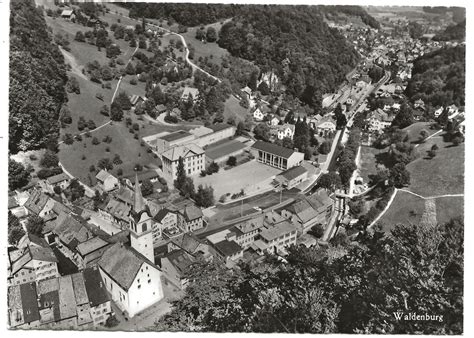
{"points": [[257, 208]]}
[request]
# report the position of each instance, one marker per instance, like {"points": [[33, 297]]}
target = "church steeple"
{"points": [[138, 202]]}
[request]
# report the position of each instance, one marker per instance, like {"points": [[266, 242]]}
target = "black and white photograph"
{"points": [[235, 167]]}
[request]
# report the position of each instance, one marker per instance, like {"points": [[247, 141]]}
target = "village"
{"points": [[106, 243]]}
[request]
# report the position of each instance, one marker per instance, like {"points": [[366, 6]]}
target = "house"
{"points": [[174, 266], [106, 181], [23, 312], [224, 247], [165, 142], [191, 218], [325, 126], [165, 219], [276, 156], [61, 180], [221, 152], [115, 211], [136, 100], [258, 114], [286, 130], [247, 92], [190, 92], [191, 244], [246, 231], [220, 132], [133, 281], [68, 14], [274, 238], [39, 204], [292, 177], [193, 158], [99, 301], [150, 175], [419, 104], [379, 120], [274, 121], [90, 251], [438, 111], [33, 262]]}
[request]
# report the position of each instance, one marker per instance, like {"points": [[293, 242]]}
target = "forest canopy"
{"points": [[37, 80], [438, 78]]}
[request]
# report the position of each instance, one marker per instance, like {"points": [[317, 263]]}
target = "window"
{"points": [[144, 227], [149, 281], [139, 287]]}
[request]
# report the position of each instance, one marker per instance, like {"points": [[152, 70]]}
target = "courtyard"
{"points": [[251, 176]]}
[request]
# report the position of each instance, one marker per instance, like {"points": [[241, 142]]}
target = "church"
{"points": [[129, 273]]}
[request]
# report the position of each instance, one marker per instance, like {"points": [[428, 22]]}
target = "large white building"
{"points": [[276, 156], [193, 158]]}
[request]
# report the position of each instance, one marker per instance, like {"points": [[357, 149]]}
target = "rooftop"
{"points": [[273, 149], [220, 126], [121, 264], [103, 175], [271, 232], [180, 260], [175, 153], [224, 149], [58, 178], [293, 172], [191, 212], [95, 288], [176, 136], [91, 245], [80, 293], [67, 300], [228, 248], [187, 241]]}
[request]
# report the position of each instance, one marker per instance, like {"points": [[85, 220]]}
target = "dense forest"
{"points": [[353, 11], [454, 32], [309, 57], [184, 14], [37, 80], [438, 78], [340, 288]]}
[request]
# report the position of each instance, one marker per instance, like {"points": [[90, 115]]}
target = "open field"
{"points": [[409, 209], [232, 108], [414, 131], [368, 162], [443, 174], [211, 50], [250, 175]]}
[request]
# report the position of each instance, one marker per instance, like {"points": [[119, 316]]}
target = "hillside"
{"points": [[455, 32], [37, 80], [184, 14], [294, 41], [438, 78], [354, 11]]}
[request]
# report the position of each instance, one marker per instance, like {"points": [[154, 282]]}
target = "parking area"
{"points": [[251, 176]]}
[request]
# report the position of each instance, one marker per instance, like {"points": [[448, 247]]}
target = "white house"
{"points": [[133, 282], [274, 121], [106, 181], [326, 125], [190, 92], [379, 120], [258, 115], [438, 111], [286, 130]]}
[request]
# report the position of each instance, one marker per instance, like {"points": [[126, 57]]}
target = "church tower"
{"points": [[141, 224]]}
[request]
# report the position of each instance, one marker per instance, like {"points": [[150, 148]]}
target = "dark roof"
{"points": [[273, 149], [293, 172], [50, 299], [37, 240], [57, 178], [36, 201], [29, 302], [180, 260], [12, 202], [149, 174], [228, 248], [42, 254], [224, 149], [122, 264], [95, 288], [175, 136], [219, 127], [191, 212], [187, 242], [161, 214]]}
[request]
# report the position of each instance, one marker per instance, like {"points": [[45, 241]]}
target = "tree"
{"points": [[325, 147], [116, 113], [200, 34], [262, 132], [183, 183], [232, 161], [330, 181], [15, 230], [204, 197], [317, 230], [211, 34], [105, 164], [104, 110], [457, 140], [423, 135], [147, 187], [123, 100], [399, 176], [18, 176], [240, 129], [35, 225], [73, 85], [404, 118], [129, 69], [49, 159], [263, 88], [80, 37], [75, 190]]}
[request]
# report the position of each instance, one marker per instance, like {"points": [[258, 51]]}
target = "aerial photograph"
{"points": [[251, 168]]}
